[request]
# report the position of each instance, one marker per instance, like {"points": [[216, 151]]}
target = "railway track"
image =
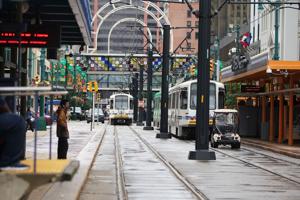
{"points": [[122, 193], [192, 188], [145, 168], [263, 161], [155, 158]]}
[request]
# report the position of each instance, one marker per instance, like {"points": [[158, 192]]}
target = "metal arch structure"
{"points": [[125, 20], [129, 6]]}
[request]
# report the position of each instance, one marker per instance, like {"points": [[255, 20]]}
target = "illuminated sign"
{"points": [[251, 89], [34, 36]]}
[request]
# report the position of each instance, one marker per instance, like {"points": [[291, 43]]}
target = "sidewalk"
{"points": [[292, 151], [83, 145]]}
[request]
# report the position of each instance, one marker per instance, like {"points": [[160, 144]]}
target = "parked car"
{"points": [[77, 114], [99, 115]]}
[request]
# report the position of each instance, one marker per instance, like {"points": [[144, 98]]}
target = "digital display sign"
{"points": [[251, 89], [39, 36]]}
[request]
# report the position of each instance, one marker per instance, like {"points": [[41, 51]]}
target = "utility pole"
{"points": [[135, 96], [74, 88], [43, 78], [66, 73], [149, 91], [141, 88], [41, 121], [276, 26], [202, 113], [237, 42], [217, 59], [165, 85]]}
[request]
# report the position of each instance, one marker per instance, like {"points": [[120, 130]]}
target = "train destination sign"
{"points": [[39, 36]]}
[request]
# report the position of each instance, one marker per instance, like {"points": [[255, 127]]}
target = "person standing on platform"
{"points": [[62, 131]]}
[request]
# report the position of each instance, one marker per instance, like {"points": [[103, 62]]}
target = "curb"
{"points": [[269, 148], [70, 190]]}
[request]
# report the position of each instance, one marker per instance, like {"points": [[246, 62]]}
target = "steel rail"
{"points": [[172, 168], [264, 154], [122, 192], [256, 165]]}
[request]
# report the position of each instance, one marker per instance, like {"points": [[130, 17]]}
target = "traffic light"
{"points": [[193, 70], [89, 86], [98, 96], [92, 86], [211, 67]]}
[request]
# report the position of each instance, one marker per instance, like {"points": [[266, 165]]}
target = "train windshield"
{"points": [[212, 96], [121, 102]]}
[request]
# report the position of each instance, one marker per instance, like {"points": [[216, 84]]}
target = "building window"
{"points": [[196, 23], [7, 54], [196, 35], [188, 35], [188, 23], [189, 13]]}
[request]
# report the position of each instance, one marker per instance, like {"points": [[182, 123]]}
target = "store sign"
{"points": [[251, 89], [39, 36]]}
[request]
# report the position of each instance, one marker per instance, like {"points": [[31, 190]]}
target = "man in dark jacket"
{"points": [[62, 130], [12, 136]]}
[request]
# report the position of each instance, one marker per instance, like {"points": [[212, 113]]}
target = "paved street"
{"points": [[248, 173]]}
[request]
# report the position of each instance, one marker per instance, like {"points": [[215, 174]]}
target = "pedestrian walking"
{"points": [[29, 117], [62, 131]]}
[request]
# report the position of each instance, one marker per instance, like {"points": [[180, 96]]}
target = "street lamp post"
{"points": [[202, 112], [141, 84], [66, 73], [74, 86], [135, 94], [165, 85], [276, 26], [149, 91], [43, 78], [217, 59]]}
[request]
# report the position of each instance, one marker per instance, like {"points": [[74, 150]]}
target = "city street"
{"points": [[132, 163], [188, 99]]}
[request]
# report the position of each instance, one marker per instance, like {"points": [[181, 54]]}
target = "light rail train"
{"points": [[182, 106], [121, 109]]}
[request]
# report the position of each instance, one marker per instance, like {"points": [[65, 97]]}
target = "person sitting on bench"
{"points": [[12, 136]]}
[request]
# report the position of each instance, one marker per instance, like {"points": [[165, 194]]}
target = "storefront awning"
{"points": [[257, 70], [283, 65]]}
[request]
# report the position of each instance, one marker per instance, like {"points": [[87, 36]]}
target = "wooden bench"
{"points": [[47, 171]]}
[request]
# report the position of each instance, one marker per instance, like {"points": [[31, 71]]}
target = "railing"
{"points": [[253, 49]]}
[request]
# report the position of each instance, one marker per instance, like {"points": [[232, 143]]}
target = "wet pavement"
{"points": [[226, 177], [101, 182], [144, 176], [125, 167], [83, 145], [79, 136]]}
